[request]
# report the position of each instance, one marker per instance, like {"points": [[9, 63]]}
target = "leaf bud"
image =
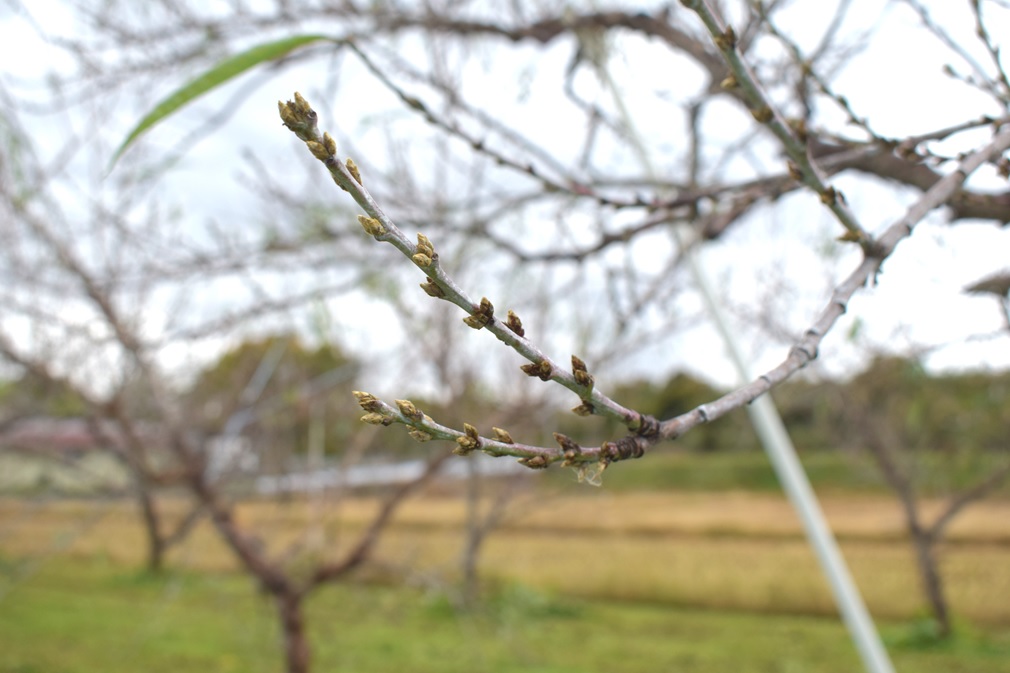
{"points": [[465, 446], [543, 369], [317, 149], [371, 225], [424, 245], [303, 105], [368, 401], [419, 435], [515, 324], [408, 409], [762, 114], [287, 115], [352, 168], [432, 289], [329, 143], [727, 40], [502, 436], [829, 196], [534, 462]]}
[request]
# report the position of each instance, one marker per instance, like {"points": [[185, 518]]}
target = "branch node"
{"points": [[432, 289], [418, 434], [569, 448], [762, 114], [482, 315], [829, 196], [376, 419], [408, 409], [581, 374], [543, 369], [371, 225], [515, 324], [318, 150], [534, 462], [648, 427], [330, 144], [469, 442], [726, 41], [424, 252]]}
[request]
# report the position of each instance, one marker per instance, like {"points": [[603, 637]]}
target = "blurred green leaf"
{"points": [[216, 76]]}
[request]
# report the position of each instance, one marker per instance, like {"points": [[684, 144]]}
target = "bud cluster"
{"points": [[482, 315]]}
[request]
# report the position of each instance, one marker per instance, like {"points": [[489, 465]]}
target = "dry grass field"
{"points": [[736, 550]]}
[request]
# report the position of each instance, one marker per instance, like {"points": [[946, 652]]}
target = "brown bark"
{"points": [[149, 514], [930, 577], [297, 654]]}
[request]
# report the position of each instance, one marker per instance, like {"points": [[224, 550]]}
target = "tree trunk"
{"points": [[932, 582], [296, 645], [149, 512], [474, 536], [879, 441]]}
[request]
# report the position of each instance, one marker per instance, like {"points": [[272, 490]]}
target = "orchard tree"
{"points": [[925, 434]]}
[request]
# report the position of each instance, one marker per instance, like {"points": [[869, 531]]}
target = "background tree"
{"points": [[294, 380], [928, 435]]}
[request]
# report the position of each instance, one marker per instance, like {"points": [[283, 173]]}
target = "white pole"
{"points": [[772, 433], [782, 454]]}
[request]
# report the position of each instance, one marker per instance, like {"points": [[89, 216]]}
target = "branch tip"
{"points": [[368, 401]]}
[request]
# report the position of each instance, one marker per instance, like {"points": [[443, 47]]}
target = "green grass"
{"points": [[89, 615]]}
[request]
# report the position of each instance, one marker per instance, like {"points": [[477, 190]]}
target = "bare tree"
{"points": [[106, 354], [880, 418]]}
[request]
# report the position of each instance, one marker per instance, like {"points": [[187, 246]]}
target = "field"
{"points": [[596, 581]]}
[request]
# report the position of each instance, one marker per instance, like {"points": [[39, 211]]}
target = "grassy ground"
{"points": [[77, 617], [601, 581]]}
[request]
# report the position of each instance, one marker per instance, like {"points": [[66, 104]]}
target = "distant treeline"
{"points": [[943, 413]]}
